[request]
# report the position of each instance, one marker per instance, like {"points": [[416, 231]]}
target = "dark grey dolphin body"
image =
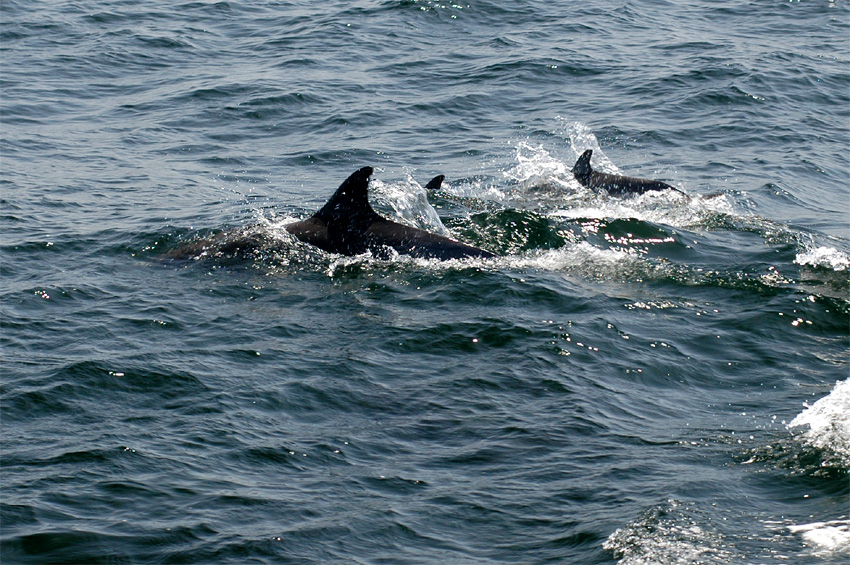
{"points": [[617, 185], [348, 225]]}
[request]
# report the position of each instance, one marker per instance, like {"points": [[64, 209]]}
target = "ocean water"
{"points": [[657, 379]]}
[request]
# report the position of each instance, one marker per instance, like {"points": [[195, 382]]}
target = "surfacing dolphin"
{"points": [[616, 185], [348, 225]]}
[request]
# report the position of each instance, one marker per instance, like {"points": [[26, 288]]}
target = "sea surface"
{"points": [[651, 379]]}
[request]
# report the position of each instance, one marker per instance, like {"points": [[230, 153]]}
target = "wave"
{"points": [[828, 425], [824, 257], [827, 430], [673, 534], [819, 455]]}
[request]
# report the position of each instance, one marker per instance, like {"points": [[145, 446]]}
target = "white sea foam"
{"points": [[581, 259], [825, 538], [828, 422], [825, 257], [828, 430], [586, 260]]}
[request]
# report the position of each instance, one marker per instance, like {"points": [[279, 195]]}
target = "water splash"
{"points": [[409, 200], [582, 138], [535, 166], [828, 422], [825, 538], [824, 257], [537, 170]]}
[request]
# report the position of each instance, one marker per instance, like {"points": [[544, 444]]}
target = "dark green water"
{"points": [[618, 386]]}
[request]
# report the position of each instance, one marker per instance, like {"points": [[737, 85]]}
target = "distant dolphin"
{"points": [[348, 225], [617, 185]]}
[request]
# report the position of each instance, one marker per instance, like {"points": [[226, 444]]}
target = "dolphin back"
{"points": [[416, 242], [616, 185], [348, 225]]}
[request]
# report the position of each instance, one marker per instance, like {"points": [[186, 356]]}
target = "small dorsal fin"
{"points": [[582, 168], [435, 183], [350, 199]]}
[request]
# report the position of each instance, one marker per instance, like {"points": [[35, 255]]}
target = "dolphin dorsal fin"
{"points": [[582, 168], [350, 200], [435, 183]]}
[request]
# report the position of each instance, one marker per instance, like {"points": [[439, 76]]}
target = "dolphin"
{"points": [[348, 225], [435, 183], [617, 185]]}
